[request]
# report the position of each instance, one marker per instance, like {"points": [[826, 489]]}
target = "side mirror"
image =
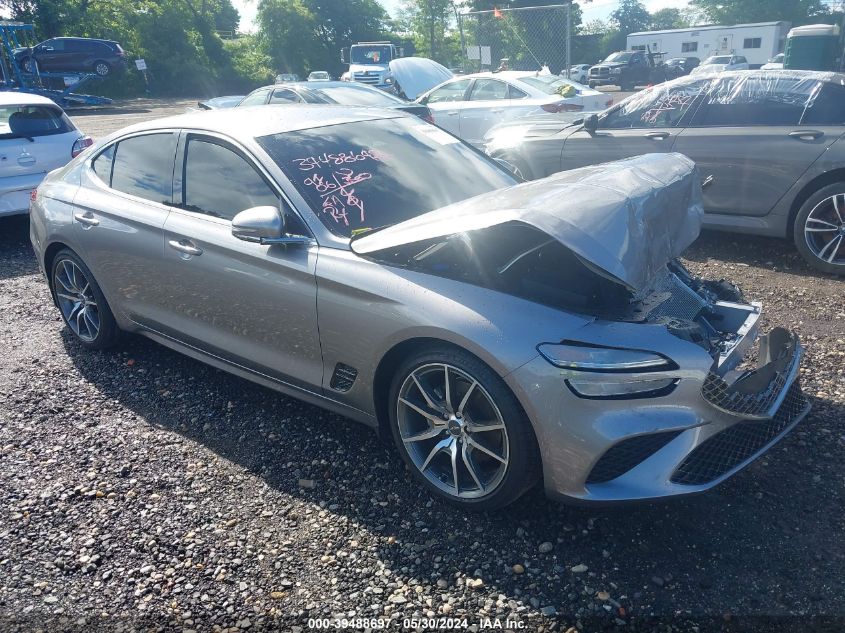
{"points": [[258, 224], [344, 55], [264, 225], [591, 123]]}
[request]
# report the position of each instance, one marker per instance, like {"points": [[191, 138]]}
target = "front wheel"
{"points": [[461, 431], [819, 229], [81, 302], [102, 68], [28, 65]]}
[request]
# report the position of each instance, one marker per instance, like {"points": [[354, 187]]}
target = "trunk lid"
{"points": [[626, 220]]}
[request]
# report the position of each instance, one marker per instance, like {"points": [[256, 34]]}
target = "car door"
{"points": [[49, 54], [119, 213], [646, 122], [487, 104], [446, 103], [251, 304], [756, 135]]}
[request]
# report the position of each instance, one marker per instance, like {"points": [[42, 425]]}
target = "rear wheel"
{"points": [[28, 65], [461, 431], [102, 68], [819, 229], [82, 304]]}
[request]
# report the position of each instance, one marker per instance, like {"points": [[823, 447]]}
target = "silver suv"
{"points": [[768, 141]]}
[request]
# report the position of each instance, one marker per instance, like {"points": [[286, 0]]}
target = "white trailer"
{"points": [[758, 43]]}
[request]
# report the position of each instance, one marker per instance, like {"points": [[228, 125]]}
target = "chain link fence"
{"points": [[526, 38]]}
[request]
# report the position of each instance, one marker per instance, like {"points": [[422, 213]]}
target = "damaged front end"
{"points": [[604, 242]]}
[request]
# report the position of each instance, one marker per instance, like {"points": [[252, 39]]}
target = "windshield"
{"points": [[371, 54], [23, 121], [550, 84], [721, 59], [619, 57], [369, 174], [319, 75], [353, 94]]}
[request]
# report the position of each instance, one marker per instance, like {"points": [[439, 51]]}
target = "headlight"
{"points": [[608, 359], [388, 80]]}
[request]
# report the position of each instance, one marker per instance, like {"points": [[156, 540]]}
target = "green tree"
{"points": [[630, 17], [668, 18], [748, 11]]}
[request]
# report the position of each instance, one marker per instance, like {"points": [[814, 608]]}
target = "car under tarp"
{"points": [[625, 220]]}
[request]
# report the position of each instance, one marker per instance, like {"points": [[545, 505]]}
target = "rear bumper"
{"points": [[14, 193]]}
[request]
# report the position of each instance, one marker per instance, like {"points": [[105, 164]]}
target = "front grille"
{"points": [[622, 457], [718, 393], [598, 72], [733, 446], [366, 79], [672, 298]]}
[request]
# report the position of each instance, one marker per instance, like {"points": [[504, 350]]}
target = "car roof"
{"points": [[13, 97], [262, 120], [310, 85]]}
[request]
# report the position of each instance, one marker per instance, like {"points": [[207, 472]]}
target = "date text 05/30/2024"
{"points": [[416, 624]]}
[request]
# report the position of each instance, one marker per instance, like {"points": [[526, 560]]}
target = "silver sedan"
{"points": [[365, 261]]}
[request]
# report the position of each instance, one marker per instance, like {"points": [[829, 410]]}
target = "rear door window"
{"points": [[489, 90], [143, 167], [259, 97], [285, 95]]}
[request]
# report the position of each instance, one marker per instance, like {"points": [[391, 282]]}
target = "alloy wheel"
{"points": [[76, 300], [824, 230], [453, 431], [102, 69]]}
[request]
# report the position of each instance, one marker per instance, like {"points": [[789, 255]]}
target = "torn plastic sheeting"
{"points": [[627, 218]]}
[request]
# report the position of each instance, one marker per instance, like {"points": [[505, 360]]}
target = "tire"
{"points": [[592, 85], [494, 466], [102, 68], [823, 246], [81, 303], [28, 65], [626, 87]]}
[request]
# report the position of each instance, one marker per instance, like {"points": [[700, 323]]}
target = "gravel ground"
{"points": [[144, 490]]}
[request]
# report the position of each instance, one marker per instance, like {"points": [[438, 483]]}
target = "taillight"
{"points": [[608, 103], [562, 106], [33, 195], [80, 144]]}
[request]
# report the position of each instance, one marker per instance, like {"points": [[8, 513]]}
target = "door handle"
{"points": [[452, 112], [805, 135], [185, 246], [658, 136], [86, 218], [498, 111]]}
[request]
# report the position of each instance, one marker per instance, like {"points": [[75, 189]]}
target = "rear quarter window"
{"points": [[828, 108]]}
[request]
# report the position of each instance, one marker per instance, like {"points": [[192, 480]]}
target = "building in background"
{"points": [[758, 43]]}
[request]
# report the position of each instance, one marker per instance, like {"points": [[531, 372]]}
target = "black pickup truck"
{"points": [[628, 69]]}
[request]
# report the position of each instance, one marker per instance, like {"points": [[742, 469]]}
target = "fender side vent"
{"points": [[343, 377]]}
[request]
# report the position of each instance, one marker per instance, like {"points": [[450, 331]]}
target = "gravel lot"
{"points": [[142, 489]]}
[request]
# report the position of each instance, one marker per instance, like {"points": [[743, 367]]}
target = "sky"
{"points": [[597, 9]]}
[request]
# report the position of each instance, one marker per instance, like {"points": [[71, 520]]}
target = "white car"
{"points": [[319, 75], [36, 137], [775, 63], [720, 63], [469, 105], [578, 73]]}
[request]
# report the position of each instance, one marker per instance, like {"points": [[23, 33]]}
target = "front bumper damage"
{"points": [[714, 423]]}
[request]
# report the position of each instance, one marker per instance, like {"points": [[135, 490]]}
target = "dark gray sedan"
{"points": [[368, 262], [770, 142]]}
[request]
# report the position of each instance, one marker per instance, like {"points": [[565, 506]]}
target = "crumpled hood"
{"points": [[627, 218], [417, 75]]}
